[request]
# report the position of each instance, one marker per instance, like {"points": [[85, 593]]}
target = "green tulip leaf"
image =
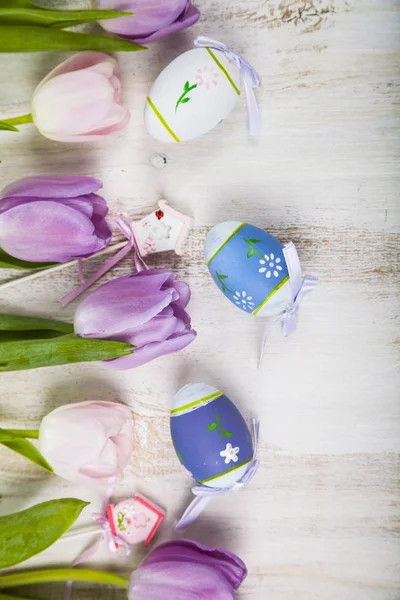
{"points": [[24, 447], [22, 323], [8, 597], [35, 15], [10, 262], [19, 3], [7, 127], [37, 334], [65, 349], [26, 38], [29, 532], [17, 327]]}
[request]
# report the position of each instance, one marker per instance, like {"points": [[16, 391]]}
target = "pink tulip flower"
{"points": [[88, 443], [80, 100]]}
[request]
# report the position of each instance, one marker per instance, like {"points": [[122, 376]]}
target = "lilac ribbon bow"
{"points": [[251, 79], [299, 286], [114, 543], [204, 493], [140, 264]]}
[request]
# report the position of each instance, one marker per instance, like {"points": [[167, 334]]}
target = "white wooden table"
{"points": [[321, 519]]}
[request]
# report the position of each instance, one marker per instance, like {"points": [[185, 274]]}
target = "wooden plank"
{"points": [[321, 519]]}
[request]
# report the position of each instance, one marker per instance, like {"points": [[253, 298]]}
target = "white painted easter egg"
{"points": [[192, 95], [210, 436], [249, 267]]}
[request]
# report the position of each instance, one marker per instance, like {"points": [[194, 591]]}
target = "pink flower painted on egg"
{"points": [[207, 76]]}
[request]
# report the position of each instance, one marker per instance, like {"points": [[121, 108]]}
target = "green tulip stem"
{"points": [[52, 575], [25, 433], [8, 597], [19, 120]]}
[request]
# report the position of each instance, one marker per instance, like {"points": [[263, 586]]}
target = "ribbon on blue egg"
{"points": [[204, 493], [251, 79], [299, 287]]}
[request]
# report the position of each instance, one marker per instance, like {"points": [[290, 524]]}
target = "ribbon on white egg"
{"points": [[204, 493], [251, 79], [299, 288]]}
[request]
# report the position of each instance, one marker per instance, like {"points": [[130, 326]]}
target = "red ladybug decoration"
{"points": [[159, 214]]}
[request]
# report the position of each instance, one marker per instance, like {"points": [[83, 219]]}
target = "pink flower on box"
{"points": [[150, 245], [135, 520]]}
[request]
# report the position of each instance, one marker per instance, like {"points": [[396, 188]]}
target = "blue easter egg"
{"points": [[210, 436], [249, 267]]}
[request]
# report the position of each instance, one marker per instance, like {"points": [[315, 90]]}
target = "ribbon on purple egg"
{"points": [[204, 493], [251, 79], [299, 287]]}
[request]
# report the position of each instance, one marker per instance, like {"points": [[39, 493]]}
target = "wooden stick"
{"points": [[36, 274], [83, 530]]}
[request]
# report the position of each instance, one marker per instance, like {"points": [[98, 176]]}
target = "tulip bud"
{"points": [[152, 19], [146, 309], [89, 443], [80, 100], [53, 219], [184, 570]]}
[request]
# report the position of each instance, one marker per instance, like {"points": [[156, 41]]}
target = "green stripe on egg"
{"points": [[161, 119], [223, 70], [230, 236], [264, 302], [192, 405]]}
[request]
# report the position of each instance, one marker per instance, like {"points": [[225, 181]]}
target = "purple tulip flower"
{"points": [[153, 20], [185, 570], [53, 219], [146, 309]]}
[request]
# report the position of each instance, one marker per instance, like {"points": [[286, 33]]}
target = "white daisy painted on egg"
{"points": [[270, 265], [244, 301], [230, 453]]}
